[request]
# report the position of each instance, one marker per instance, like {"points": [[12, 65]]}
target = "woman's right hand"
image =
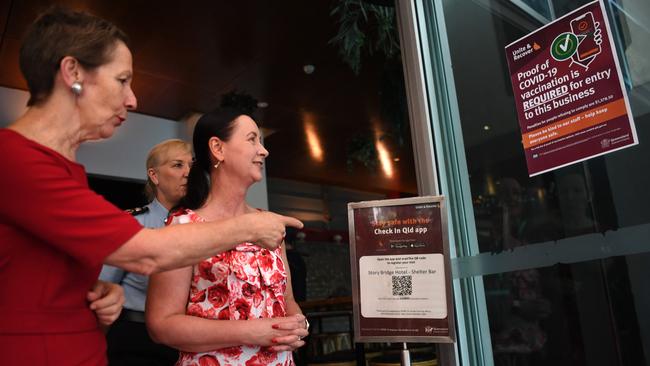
{"points": [[267, 228], [281, 334]]}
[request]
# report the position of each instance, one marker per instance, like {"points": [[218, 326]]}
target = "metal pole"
{"points": [[406, 356]]}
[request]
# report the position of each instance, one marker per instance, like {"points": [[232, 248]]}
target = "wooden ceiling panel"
{"points": [[187, 54], [11, 75], [5, 7]]}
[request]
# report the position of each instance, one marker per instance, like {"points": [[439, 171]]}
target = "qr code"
{"points": [[402, 285]]}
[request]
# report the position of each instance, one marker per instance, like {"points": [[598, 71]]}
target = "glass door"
{"points": [[549, 270]]}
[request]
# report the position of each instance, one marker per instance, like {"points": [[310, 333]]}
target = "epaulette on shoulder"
{"points": [[137, 210]]}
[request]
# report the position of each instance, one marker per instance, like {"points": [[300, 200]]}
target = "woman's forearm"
{"points": [[194, 334], [155, 250], [293, 307]]}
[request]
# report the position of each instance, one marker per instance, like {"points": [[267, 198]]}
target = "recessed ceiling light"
{"points": [[486, 127], [395, 159], [262, 104], [266, 132], [309, 69]]}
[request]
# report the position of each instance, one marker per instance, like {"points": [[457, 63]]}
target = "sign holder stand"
{"points": [[406, 355], [399, 256]]}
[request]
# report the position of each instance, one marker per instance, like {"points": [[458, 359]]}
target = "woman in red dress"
{"points": [[55, 232], [235, 308]]}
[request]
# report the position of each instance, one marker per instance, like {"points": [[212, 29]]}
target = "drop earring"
{"points": [[76, 88], [217, 164]]}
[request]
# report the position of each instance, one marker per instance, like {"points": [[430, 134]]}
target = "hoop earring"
{"points": [[76, 88], [217, 164]]}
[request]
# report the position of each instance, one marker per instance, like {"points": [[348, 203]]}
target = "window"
{"points": [[551, 268]]}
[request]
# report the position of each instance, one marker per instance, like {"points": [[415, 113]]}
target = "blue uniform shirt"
{"points": [[135, 285]]}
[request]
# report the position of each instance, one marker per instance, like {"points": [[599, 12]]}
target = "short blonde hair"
{"points": [[158, 155]]}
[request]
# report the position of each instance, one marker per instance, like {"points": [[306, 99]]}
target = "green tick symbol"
{"points": [[564, 46]]}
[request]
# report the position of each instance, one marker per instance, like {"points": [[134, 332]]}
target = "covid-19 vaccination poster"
{"points": [[569, 92], [400, 271]]}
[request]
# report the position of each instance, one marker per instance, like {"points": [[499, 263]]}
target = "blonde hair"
{"points": [[158, 155]]}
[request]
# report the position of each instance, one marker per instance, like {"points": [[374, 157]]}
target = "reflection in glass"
{"points": [[560, 316], [536, 8], [384, 158], [595, 308]]}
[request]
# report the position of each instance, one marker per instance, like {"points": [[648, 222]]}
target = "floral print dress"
{"points": [[244, 283]]}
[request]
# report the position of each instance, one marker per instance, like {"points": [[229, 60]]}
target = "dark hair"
{"points": [[219, 123], [61, 32]]}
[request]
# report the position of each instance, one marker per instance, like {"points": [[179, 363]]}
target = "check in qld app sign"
{"points": [[568, 90]]}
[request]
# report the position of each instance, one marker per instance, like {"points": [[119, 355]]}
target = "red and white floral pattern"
{"points": [[244, 283]]}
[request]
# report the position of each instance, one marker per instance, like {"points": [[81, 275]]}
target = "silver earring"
{"points": [[217, 164], [76, 88]]}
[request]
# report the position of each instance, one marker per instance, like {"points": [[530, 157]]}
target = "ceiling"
{"points": [[187, 54]]}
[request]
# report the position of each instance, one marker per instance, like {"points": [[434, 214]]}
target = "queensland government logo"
{"points": [[604, 143]]}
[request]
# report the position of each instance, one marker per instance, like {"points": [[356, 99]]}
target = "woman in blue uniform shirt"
{"points": [[168, 165]]}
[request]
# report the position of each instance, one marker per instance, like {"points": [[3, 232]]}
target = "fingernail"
{"points": [[275, 326], [274, 341]]}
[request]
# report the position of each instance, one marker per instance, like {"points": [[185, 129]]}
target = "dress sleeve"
{"points": [[179, 216], [41, 197]]}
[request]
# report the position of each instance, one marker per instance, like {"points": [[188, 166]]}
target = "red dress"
{"points": [[244, 283], [54, 235]]}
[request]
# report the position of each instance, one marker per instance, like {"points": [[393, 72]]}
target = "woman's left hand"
{"points": [[297, 326], [106, 299]]}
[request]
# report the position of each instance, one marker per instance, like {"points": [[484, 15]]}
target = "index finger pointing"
{"points": [[291, 221]]}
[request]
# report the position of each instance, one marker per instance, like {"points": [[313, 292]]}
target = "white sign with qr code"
{"points": [[403, 286]]}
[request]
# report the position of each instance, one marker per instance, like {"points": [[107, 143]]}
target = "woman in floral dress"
{"points": [[236, 308]]}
